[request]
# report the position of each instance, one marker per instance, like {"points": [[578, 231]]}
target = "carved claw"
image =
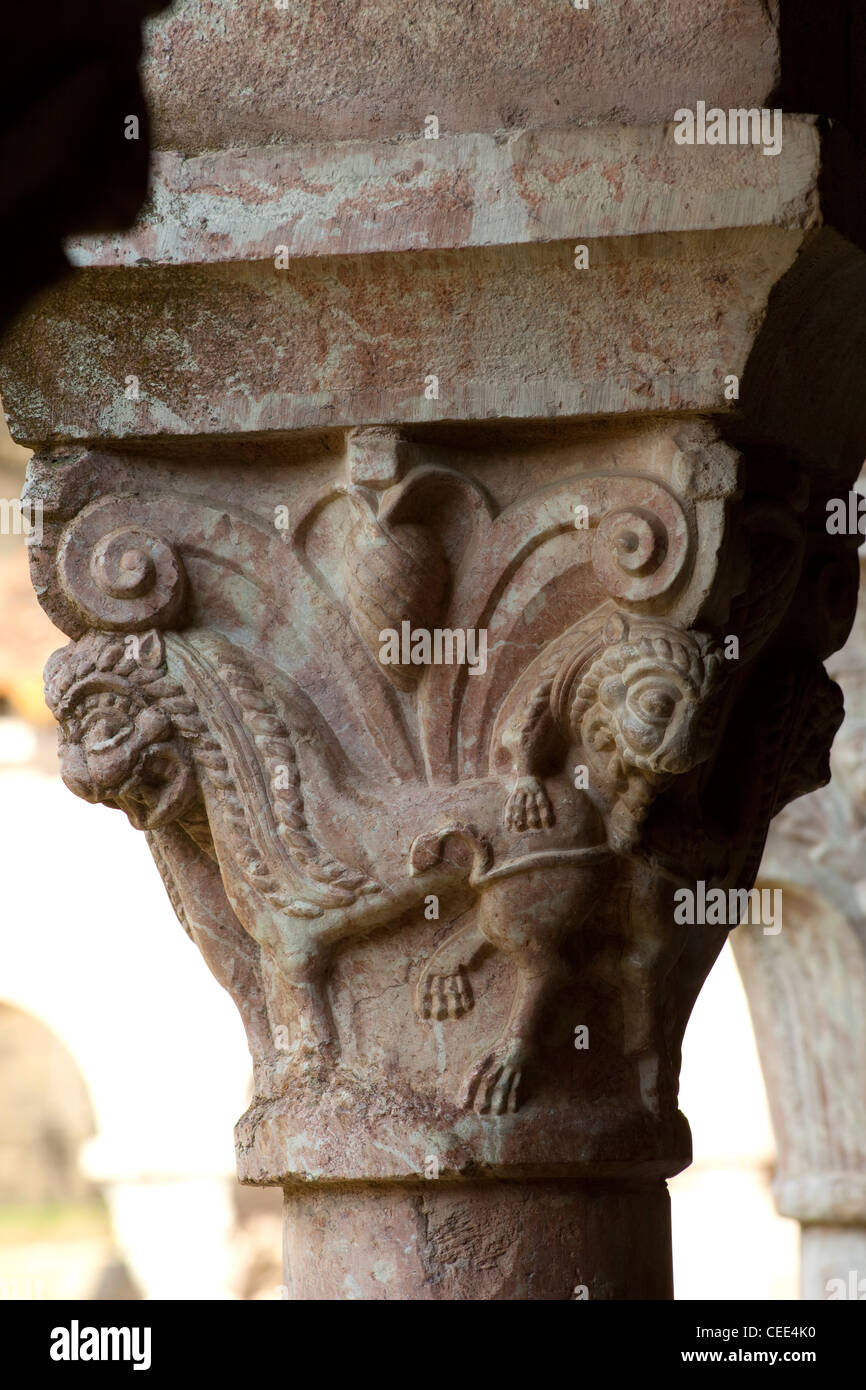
{"points": [[443, 989], [528, 807], [445, 996], [493, 1084]]}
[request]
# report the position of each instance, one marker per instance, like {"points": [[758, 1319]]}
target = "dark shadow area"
{"points": [[823, 60], [69, 161]]}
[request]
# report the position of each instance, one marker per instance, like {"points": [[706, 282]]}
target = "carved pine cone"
{"points": [[394, 574]]}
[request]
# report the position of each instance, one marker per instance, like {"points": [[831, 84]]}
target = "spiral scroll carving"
{"points": [[123, 578], [640, 551]]}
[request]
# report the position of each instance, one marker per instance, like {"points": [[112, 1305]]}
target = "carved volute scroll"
{"points": [[423, 762]]}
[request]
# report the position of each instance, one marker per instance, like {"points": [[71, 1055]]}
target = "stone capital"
{"points": [[448, 608], [426, 741]]}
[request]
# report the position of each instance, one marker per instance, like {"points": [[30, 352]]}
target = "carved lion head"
{"points": [[117, 744], [648, 697]]}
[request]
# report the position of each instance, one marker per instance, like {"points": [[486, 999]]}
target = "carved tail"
{"points": [[248, 755]]}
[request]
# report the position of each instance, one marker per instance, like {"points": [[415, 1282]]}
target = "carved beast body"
{"points": [[178, 731], [226, 689]]}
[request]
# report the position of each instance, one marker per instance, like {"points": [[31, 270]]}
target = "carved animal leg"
{"points": [[528, 806], [527, 917], [644, 964], [444, 989], [493, 1085], [298, 979], [315, 1022]]}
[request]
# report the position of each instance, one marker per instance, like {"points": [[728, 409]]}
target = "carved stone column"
{"points": [[437, 615], [807, 994]]}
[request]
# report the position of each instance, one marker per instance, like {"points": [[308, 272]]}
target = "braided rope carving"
{"points": [[140, 671], [277, 750], [168, 879]]}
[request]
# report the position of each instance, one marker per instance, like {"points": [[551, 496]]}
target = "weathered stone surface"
{"points": [[814, 1062], [511, 1241], [459, 190], [655, 323], [322, 71]]}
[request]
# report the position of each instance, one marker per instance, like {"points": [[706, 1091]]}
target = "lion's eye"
{"points": [[104, 729], [656, 704]]}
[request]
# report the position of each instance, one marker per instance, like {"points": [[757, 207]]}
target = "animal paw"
{"points": [[493, 1085], [528, 807], [445, 996]]}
